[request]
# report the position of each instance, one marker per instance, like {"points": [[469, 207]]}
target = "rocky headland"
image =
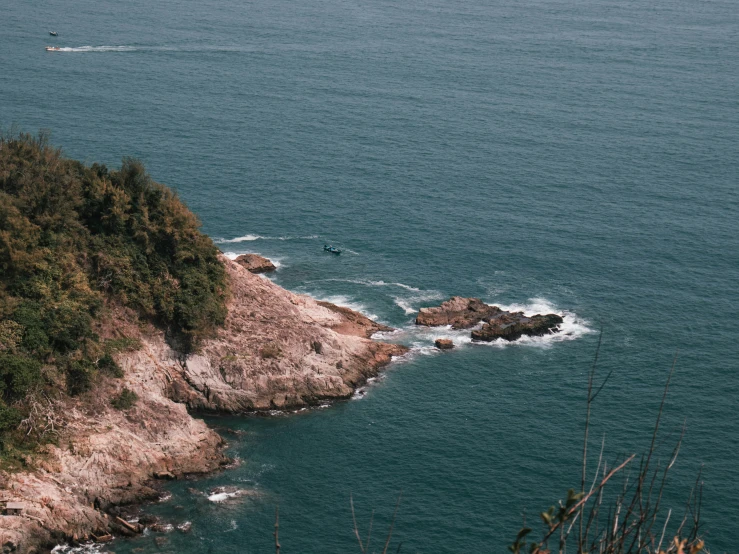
{"points": [[465, 313], [276, 350]]}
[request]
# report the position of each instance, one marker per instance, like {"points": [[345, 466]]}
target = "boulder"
{"points": [[444, 344], [513, 325], [255, 263], [460, 313]]}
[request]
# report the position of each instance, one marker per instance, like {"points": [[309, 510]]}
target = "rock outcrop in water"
{"points": [[460, 313], [277, 350], [444, 344], [513, 325], [464, 313], [255, 263]]}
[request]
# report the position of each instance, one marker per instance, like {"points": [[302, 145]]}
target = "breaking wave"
{"points": [[410, 304], [85, 548], [221, 494]]}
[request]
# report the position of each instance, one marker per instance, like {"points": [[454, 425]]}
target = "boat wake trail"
{"points": [[82, 49]]}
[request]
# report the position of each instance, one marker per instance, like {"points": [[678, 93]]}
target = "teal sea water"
{"points": [[571, 156]]}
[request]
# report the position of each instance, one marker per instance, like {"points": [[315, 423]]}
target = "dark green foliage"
{"points": [[73, 237], [9, 418], [80, 374], [125, 400], [109, 365], [123, 344], [18, 373]]}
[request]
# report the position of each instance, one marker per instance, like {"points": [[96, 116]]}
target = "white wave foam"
{"points": [[421, 339], [249, 238], [362, 391], [185, 526], [82, 49], [86, 548], [222, 495], [410, 304], [165, 528], [573, 326], [245, 238]]}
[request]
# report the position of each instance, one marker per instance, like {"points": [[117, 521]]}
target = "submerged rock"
{"points": [[255, 263], [513, 325], [444, 344], [460, 313]]}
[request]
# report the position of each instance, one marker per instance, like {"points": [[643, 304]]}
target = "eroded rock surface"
{"points": [[255, 263]]}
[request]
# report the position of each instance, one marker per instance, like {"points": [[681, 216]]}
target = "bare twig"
{"points": [[277, 530], [589, 402], [392, 524], [585, 498], [356, 529]]}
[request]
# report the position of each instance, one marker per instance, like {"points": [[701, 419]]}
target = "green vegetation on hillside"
{"points": [[73, 237]]}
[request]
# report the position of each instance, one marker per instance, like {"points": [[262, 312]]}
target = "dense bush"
{"points": [[73, 236], [125, 400], [18, 374], [108, 364]]}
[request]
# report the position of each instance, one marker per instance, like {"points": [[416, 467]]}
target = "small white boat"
{"points": [[52, 49], [53, 33]]}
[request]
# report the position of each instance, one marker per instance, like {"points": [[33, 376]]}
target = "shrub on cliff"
{"points": [[125, 400], [73, 237]]}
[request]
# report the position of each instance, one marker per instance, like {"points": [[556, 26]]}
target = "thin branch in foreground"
{"points": [[277, 530], [356, 529], [392, 524]]}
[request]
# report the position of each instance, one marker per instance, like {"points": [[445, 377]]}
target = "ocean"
{"points": [[576, 157]]}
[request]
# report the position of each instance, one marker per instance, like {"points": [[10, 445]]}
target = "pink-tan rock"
{"points": [[255, 263], [276, 350], [444, 344]]}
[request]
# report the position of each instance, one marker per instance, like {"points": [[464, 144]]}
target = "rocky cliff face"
{"points": [[276, 350]]}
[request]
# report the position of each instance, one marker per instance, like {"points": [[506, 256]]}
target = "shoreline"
{"points": [[278, 351]]}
